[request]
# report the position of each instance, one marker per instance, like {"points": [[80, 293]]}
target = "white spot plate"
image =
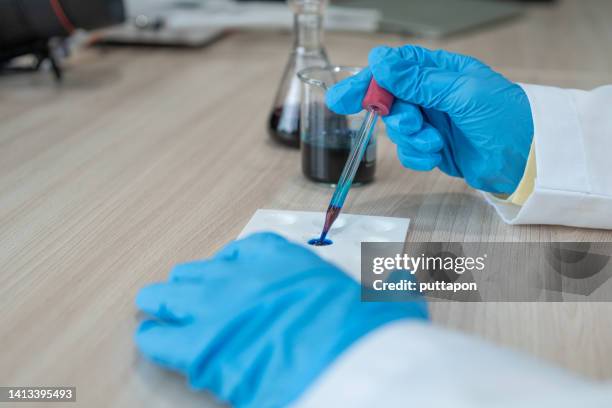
{"points": [[347, 233]]}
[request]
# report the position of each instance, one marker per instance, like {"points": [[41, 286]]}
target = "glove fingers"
{"points": [[172, 302], [197, 272], [404, 118], [415, 160], [158, 341], [250, 245], [346, 96], [440, 59], [262, 246], [406, 79], [221, 262], [238, 257], [427, 140]]}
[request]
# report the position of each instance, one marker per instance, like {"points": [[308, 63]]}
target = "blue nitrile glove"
{"points": [[258, 322], [451, 111]]}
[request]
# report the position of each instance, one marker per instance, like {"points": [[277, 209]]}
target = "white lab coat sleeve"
{"points": [[573, 151], [413, 364]]}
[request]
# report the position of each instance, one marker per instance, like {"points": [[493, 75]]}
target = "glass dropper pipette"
{"points": [[377, 102]]}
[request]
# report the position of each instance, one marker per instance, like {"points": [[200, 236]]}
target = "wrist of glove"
{"points": [[258, 322], [451, 112]]}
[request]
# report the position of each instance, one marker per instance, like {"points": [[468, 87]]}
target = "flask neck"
{"points": [[308, 32]]}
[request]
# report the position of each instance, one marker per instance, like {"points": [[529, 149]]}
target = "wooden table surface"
{"points": [[144, 158]]}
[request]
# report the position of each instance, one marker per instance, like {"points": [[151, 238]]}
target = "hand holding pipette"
{"points": [[451, 112]]}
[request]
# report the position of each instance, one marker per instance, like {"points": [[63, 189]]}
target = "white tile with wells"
{"points": [[347, 233]]}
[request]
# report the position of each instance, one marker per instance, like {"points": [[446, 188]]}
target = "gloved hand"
{"points": [[451, 111], [259, 321]]}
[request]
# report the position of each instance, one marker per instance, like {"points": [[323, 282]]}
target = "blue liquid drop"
{"points": [[318, 242]]}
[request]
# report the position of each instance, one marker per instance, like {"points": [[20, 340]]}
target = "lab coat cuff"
{"points": [[560, 195], [555, 207]]}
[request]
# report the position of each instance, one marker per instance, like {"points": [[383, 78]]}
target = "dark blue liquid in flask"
{"points": [[308, 51]]}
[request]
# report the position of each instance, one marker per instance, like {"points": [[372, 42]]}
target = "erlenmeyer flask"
{"points": [[308, 51]]}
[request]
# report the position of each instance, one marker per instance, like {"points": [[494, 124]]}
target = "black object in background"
{"points": [[26, 26]]}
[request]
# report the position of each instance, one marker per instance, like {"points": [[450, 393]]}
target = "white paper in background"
{"points": [[347, 233]]}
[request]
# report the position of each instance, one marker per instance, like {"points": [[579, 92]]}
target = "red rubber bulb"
{"points": [[377, 99]]}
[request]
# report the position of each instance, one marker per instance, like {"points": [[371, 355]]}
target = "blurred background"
{"points": [[29, 25]]}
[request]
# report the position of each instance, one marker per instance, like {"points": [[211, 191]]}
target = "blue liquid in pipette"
{"points": [[348, 174]]}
